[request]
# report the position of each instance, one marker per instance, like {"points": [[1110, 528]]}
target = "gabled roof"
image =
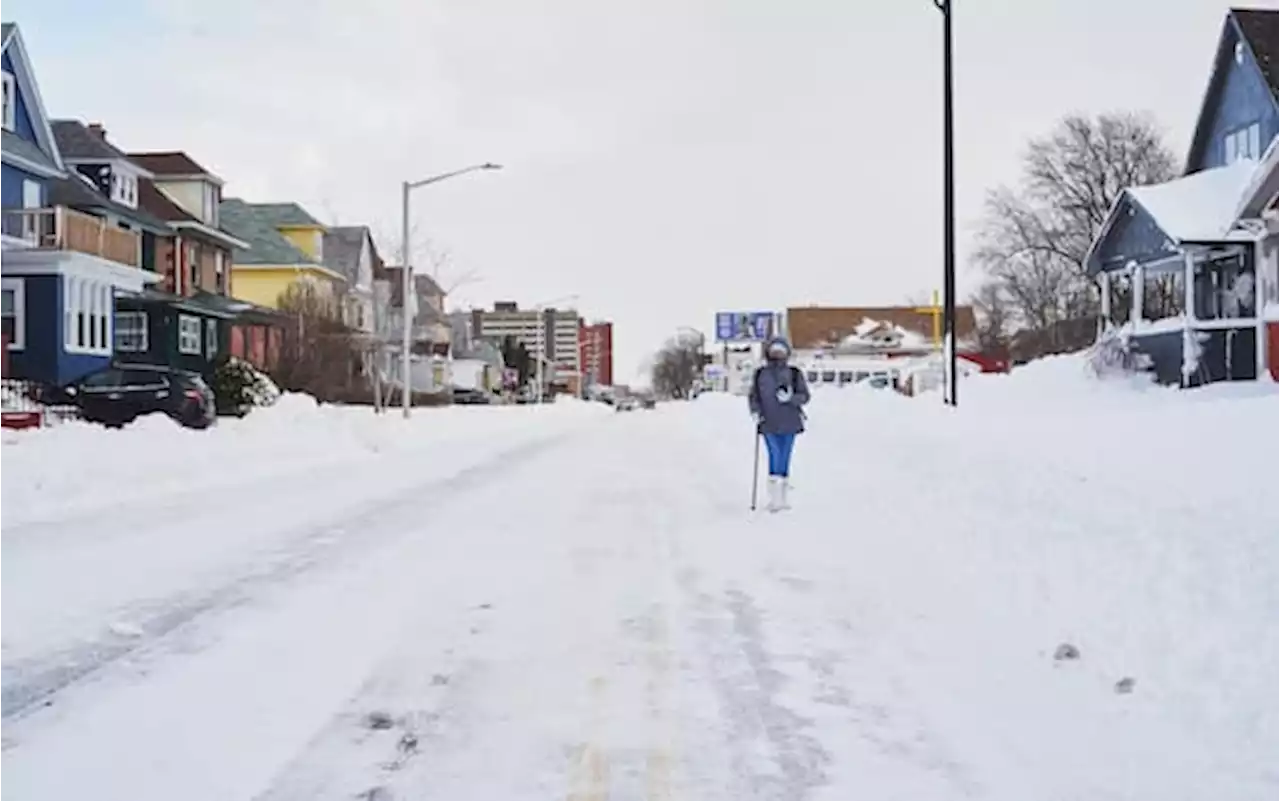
{"points": [[1200, 207], [1256, 28], [249, 222], [78, 192], [78, 142], [342, 247], [173, 164], [157, 203], [286, 215], [44, 155], [1260, 29], [815, 326]]}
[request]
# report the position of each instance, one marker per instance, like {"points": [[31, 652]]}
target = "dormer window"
{"points": [[124, 188], [10, 102]]}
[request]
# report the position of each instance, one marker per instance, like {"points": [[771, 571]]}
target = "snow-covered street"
{"points": [[565, 602]]}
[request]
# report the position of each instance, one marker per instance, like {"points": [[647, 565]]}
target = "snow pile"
{"points": [[78, 466], [876, 334], [1201, 206], [1138, 526]]}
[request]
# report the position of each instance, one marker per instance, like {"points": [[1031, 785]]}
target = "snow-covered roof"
{"points": [[1261, 184], [1198, 207], [881, 334]]}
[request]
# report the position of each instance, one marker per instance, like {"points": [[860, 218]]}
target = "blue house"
{"points": [[1182, 274], [62, 266]]}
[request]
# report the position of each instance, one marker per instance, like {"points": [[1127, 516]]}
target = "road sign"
{"points": [[750, 326]]}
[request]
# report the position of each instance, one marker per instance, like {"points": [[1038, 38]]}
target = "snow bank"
{"points": [[1136, 523], [78, 466]]}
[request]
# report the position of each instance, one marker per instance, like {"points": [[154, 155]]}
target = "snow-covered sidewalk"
{"points": [[603, 618]]}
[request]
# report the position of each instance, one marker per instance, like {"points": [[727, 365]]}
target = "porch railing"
{"points": [[62, 228]]}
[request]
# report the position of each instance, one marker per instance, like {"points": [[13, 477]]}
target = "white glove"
{"points": [[784, 394]]}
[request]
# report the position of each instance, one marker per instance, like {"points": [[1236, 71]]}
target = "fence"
{"points": [[23, 406]]}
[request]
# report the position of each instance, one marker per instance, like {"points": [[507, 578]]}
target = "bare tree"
{"points": [[1033, 240], [319, 355], [677, 367], [991, 307], [438, 259]]}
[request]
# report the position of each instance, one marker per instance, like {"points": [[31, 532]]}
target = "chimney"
{"points": [[97, 130]]}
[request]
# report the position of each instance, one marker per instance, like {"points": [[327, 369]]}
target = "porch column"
{"points": [[1263, 278], [178, 266], [1190, 343], [1139, 288], [1104, 285]]}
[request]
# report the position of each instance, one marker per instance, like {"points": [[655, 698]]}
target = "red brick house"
{"points": [[196, 261]]}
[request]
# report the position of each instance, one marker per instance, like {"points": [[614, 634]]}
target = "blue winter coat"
{"points": [[777, 417]]}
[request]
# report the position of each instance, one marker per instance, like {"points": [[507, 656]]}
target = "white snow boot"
{"points": [[777, 493], [784, 484]]}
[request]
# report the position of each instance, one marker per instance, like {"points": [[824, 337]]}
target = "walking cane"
{"points": [[755, 473]]}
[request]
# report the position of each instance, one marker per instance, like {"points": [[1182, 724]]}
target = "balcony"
{"points": [[65, 229]]}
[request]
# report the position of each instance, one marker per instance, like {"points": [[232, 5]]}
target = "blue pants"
{"points": [[779, 447]]}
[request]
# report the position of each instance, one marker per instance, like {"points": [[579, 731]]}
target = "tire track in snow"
{"points": [[32, 684]]}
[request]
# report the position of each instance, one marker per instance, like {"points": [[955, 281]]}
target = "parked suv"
{"points": [[122, 393]]}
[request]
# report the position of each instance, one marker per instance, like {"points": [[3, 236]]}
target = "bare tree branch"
{"points": [[1034, 238], [677, 366]]}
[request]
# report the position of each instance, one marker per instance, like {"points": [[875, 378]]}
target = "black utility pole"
{"points": [[948, 210]]}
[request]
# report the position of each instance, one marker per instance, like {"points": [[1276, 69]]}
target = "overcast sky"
{"points": [[664, 159]]}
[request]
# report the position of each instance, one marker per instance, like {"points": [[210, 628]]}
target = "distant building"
{"points": [[549, 334], [595, 341], [815, 330]]}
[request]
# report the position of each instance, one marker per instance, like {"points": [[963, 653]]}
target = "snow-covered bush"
{"points": [[238, 387], [1114, 356]]}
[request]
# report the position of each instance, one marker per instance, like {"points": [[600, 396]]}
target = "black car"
{"points": [[471, 397], [120, 394]]}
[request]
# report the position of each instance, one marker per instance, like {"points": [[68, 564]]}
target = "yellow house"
{"points": [[286, 245]]}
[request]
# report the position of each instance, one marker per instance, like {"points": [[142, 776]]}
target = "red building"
{"points": [[595, 351]]}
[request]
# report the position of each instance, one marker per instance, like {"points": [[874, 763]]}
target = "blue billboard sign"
{"points": [[750, 326]]}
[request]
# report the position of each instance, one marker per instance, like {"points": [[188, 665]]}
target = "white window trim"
{"points": [[95, 299], [210, 338], [11, 109], [19, 289], [189, 331], [146, 334], [1243, 143]]}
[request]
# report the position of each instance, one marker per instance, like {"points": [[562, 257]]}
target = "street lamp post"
{"points": [[407, 273], [948, 211]]}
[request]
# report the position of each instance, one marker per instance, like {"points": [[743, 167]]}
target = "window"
{"points": [[32, 194], [220, 270], [189, 334], [193, 267], [108, 311], [143, 379], [103, 379], [210, 338], [91, 317], [14, 301], [1245, 143], [209, 198], [1225, 288], [10, 102], [124, 187], [87, 307], [131, 332]]}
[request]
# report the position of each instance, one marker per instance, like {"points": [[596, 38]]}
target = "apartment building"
{"points": [[547, 333], [596, 343]]}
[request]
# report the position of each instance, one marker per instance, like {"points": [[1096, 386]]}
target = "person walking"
{"points": [[777, 398]]}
